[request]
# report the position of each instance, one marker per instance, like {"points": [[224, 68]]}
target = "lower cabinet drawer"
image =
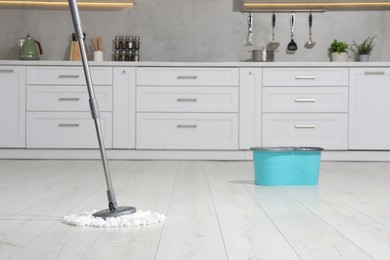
{"points": [[187, 131], [66, 98], [305, 99], [66, 130], [187, 99], [328, 131]]}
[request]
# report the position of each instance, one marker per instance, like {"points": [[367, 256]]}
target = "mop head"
{"points": [[139, 218]]}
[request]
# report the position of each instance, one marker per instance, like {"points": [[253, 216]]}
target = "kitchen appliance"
{"points": [[30, 49]]}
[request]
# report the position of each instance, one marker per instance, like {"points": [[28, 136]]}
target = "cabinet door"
{"points": [[369, 120], [250, 108], [12, 106], [124, 108]]}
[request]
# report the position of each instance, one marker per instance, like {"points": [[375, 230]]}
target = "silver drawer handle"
{"points": [[187, 100], [6, 71], [305, 77], [69, 76], [68, 125], [187, 126], [374, 73], [68, 99], [187, 77], [305, 126], [305, 100]]}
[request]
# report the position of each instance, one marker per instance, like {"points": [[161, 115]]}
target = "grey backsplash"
{"points": [[193, 30]]}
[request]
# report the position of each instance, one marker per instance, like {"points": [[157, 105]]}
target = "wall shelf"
{"points": [[312, 5]]}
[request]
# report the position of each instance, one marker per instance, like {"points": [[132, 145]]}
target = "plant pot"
{"points": [[364, 57], [339, 57]]}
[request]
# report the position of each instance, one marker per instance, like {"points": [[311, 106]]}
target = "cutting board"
{"points": [[74, 51]]}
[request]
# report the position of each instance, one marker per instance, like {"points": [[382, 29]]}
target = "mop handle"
{"points": [[92, 101]]}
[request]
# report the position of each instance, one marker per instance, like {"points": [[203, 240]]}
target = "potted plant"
{"points": [[364, 49], [338, 51]]}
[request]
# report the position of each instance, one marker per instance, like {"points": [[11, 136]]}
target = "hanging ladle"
{"points": [[249, 38], [273, 45], [292, 46], [310, 44]]}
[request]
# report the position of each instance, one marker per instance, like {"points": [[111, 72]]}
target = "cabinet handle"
{"points": [[305, 126], [187, 77], [68, 99], [374, 73], [187, 100], [305, 100], [69, 76], [305, 77], [6, 71], [187, 126], [68, 125]]}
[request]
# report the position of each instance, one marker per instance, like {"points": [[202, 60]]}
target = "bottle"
{"points": [[137, 42]]}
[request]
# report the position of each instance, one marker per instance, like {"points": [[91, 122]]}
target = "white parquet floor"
{"points": [[214, 211]]}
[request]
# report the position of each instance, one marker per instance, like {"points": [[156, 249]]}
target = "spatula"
{"points": [[292, 46]]}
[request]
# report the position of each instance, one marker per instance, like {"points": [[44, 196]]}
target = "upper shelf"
{"points": [[313, 5]]}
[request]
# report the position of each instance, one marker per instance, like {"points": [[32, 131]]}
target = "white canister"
{"points": [[98, 55]]}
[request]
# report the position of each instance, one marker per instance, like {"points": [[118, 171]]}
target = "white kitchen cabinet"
{"points": [[199, 131], [124, 108], [324, 130], [303, 77], [12, 106], [305, 107], [72, 75], [305, 99], [58, 112], [66, 130], [187, 76], [369, 120], [187, 108], [187, 99], [250, 107]]}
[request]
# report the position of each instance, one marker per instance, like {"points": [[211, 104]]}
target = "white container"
{"points": [[98, 55]]}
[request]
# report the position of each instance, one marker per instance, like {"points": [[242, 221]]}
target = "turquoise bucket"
{"points": [[286, 165]]}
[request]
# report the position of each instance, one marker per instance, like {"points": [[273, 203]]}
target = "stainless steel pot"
{"points": [[262, 55]]}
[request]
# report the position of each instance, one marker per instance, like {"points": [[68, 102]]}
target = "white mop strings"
{"points": [[139, 218]]}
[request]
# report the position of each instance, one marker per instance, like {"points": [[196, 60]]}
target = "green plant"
{"points": [[365, 47], [338, 47]]}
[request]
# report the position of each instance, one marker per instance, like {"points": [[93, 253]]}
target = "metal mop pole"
{"points": [[113, 210]]}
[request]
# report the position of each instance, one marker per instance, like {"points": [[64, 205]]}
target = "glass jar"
{"points": [[137, 43]]}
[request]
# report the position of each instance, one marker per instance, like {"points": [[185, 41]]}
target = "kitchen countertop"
{"points": [[194, 64]]}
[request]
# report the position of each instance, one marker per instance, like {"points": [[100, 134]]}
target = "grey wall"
{"points": [[192, 30]]}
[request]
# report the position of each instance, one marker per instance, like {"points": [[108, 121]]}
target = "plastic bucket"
{"points": [[286, 165]]}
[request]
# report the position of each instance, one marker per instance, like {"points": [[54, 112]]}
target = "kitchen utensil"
{"points": [[99, 43], [310, 44], [249, 38], [94, 42], [292, 46], [74, 49], [31, 49], [262, 55], [273, 45]]}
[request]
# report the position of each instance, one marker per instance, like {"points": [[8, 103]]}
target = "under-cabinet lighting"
{"points": [[259, 5], [59, 3]]}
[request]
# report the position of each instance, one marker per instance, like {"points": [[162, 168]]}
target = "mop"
{"points": [[114, 216]]}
